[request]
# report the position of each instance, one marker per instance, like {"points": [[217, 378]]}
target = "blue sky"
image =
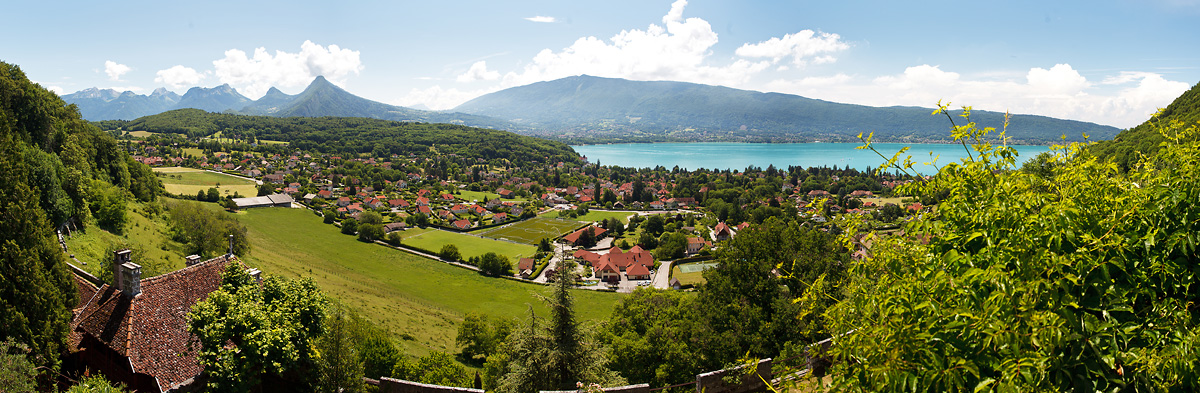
{"points": [[1110, 62]]}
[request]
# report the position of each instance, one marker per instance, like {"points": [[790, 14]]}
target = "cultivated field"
{"points": [[187, 181], [597, 215], [468, 245], [418, 299], [533, 230]]}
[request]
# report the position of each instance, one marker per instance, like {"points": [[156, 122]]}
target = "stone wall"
{"points": [[391, 385], [752, 381]]}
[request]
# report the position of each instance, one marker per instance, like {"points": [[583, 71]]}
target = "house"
{"points": [[395, 226], [695, 244], [462, 224], [525, 267], [273, 200], [573, 237], [422, 201], [343, 201], [608, 273], [134, 331], [862, 194], [276, 178], [506, 194], [657, 205], [398, 203], [500, 217], [459, 209], [818, 194], [622, 260], [722, 232], [424, 209], [638, 272], [588, 256], [675, 284], [448, 197]]}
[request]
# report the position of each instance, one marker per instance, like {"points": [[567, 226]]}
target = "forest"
{"points": [[353, 136]]}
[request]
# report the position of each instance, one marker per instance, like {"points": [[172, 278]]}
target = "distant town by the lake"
{"points": [[738, 156]]}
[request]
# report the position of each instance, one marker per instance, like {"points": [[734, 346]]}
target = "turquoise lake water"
{"points": [[741, 155]]}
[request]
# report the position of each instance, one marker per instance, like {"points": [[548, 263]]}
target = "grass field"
{"points": [[416, 298], [140, 134], [468, 245], [191, 180], [691, 273], [478, 196], [596, 215], [143, 232], [533, 230]]}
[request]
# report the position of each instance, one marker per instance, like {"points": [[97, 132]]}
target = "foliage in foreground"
{"points": [[1078, 279]]}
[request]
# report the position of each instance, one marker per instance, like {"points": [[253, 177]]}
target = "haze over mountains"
{"points": [[587, 109]]}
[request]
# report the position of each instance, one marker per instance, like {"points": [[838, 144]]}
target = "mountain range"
{"points": [[594, 109], [588, 109], [320, 98]]}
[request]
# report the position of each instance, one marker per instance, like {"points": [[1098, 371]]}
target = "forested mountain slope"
{"points": [[1145, 138], [54, 167], [592, 109]]}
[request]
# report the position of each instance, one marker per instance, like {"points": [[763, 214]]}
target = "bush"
{"points": [[495, 265], [449, 252], [349, 226], [394, 238]]}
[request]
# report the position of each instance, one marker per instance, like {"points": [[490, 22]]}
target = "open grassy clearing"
{"points": [[533, 230], [416, 298], [597, 215], [468, 245], [140, 134], [145, 232], [187, 181]]}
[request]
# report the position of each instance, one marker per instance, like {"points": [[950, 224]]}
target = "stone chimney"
{"points": [[191, 259], [255, 274], [127, 276]]}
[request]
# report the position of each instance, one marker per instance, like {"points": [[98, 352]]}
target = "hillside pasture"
{"points": [[419, 300], [188, 181], [533, 230], [468, 245]]}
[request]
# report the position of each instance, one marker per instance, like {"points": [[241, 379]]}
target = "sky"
{"points": [[1110, 62]]}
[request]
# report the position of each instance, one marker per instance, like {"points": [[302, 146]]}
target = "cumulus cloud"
{"points": [[253, 76], [478, 72], [798, 46], [115, 70], [437, 98], [1122, 100], [542, 19], [676, 50], [179, 76]]}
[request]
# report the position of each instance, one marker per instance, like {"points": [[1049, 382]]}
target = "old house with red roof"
{"points": [[134, 331], [573, 237]]}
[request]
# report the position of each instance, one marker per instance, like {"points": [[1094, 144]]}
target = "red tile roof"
{"points": [[150, 329]]}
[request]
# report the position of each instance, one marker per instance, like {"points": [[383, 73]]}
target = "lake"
{"points": [[741, 155]]}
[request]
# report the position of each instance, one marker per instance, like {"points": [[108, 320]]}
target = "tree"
{"points": [[109, 205], [349, 226], [495, 265], [378, 353], [671, 246], [437, 368], [370, 232], [568, 358], [17, 374], [370, 217], [480, 336], [544, 245], [205, 232], [339, 367], [213, 195], [655, 225], [647, 241], [587, 238], [328, 216], [657, 337], [245, 330], [449, 252], [266, 189], [394, 238], [95, 384]]}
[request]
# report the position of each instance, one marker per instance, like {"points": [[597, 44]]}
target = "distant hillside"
{"points": [[320, 98], [1145, 138], [353, 135], [593, 109]]}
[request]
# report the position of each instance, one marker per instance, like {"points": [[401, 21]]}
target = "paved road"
{"points": [[662, 278]]}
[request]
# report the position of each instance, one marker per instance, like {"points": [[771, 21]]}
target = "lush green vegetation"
{"points": [[468, 245], [1070, 276], [414, 297], [55, 168], [587, 109], [351, 136], [189, 181], [1127, 148]]}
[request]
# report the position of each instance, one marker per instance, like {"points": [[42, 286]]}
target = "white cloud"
{"points": [[115, 70], [253, 76], [478, 72], [437, 98], [677, 50], [179, 76], [56, 90], [542, 19], [799, 46], [1122, 100]]}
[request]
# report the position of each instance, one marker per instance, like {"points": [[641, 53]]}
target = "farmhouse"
{"points": [[273, 200], [134, 331], [525, 267], [573, 237]]}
